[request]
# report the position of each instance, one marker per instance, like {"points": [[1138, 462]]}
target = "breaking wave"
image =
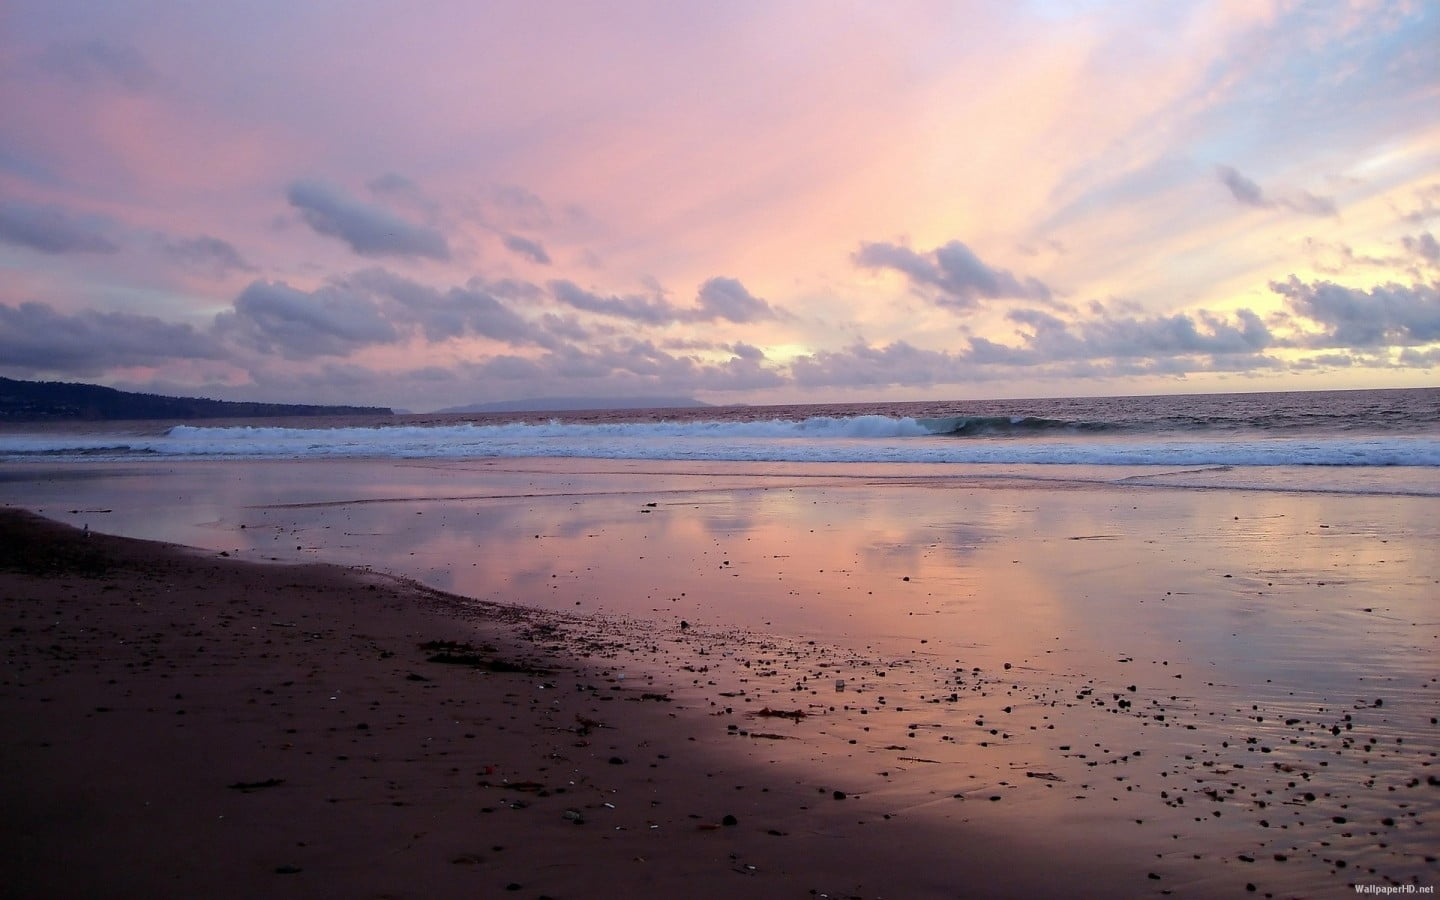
{"points": [[849, 439]]}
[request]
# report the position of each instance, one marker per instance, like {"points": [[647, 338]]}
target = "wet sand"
{"points": [[1000, 702]]}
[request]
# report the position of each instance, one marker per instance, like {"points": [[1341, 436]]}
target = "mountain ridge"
{"points": [[64, 401]]}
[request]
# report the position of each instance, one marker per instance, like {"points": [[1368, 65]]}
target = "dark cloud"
{"points": [[740, 373], [369, 230], [1326, 361], [275, 318], [1247, 192], [1424, 246], [987, 352], [461, 311], [1167, 346], [719, 298], [1420, 359], [531, 250], [1241, 188], [1131, 344], [477, 308], [375, 307], [35, 337], [648, 310], [403, 193], [1112, 337], [99, 62], [726, 298], [510, 289], [860, 365], [961, 278], [206, 253], [52, 230], [1387, 315], [1310, 204]]}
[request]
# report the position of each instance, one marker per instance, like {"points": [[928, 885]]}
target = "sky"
{"points": [[429, 204]]}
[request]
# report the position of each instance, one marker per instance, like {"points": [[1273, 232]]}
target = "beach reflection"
{"points": [[1288, 586], [1094, 655]]}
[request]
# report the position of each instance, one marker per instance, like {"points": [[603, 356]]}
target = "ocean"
{"points": [[1385, 441]]}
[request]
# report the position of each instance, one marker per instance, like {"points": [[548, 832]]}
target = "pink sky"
{"points": [[423, 205]]}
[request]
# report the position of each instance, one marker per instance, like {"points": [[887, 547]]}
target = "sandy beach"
{"points": [[520, 679]]}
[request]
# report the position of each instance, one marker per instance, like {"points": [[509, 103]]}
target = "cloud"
{"points": [[1110, 337], [206, 253], [373, 307], [369, 230], [860, 365], [478, 308], [1420, 359], [1241, 188], [1130, 344], [34, 337], [726, 298], [962, 279], [719, 298], [649, 310], [1309, 204], [531, 250], [1386, 315], [52, 230], [1424, 246], [461, 311], [1249, 193], [1326, 361], [275, 318], [100, 62], [403, 193]]}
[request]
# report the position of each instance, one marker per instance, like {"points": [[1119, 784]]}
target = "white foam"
{"points": [[858, 439]]}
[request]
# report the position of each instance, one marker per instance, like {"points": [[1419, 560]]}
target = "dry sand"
{"points": [[185, 724]]}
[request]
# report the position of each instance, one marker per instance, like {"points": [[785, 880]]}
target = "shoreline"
{"points": [[200, 726], [1161, 717]]}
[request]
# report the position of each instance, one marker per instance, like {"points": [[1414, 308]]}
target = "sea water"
{"points": [[1373, 441]]}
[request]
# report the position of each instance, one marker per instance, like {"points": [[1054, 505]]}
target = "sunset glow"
{"points": [[426, 205]]}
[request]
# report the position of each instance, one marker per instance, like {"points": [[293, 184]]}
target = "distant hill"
{"points": [[50, 401], [570, 404]]}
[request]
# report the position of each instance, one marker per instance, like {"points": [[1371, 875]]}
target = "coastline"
{"points": [[201, 726], [987, 636]]}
